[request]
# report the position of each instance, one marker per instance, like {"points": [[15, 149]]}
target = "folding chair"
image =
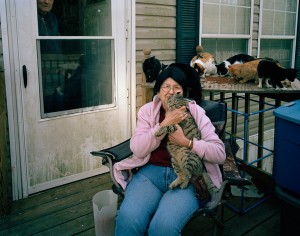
{"points": [[217, 112]]}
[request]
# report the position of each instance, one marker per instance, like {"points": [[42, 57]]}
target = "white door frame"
{"points": [[13, 86], [13, 101]]}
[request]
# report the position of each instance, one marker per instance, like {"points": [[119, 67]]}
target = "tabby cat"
{"points": [[246, 71], [185, 163]]}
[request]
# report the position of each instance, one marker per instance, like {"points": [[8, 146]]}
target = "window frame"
{"points": [[216, 36], [261, 36], [111, 36]]}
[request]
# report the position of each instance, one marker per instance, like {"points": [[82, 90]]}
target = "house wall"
{"points": [[155, 29]]}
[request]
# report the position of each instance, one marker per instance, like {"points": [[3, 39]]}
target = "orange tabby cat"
{"points": [[246, 71]]}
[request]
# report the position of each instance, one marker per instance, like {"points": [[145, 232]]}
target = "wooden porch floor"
{"points": [[67, 210]]}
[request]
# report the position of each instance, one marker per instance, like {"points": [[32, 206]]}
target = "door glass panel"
{"points": [[75, 73], [79, 79], [74, 17]]}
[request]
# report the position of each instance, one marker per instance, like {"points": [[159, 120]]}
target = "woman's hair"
{"points": [[186, 76], [171, 72]]}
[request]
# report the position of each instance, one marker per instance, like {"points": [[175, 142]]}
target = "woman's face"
{"points": [[45, 6], [168, 88]]}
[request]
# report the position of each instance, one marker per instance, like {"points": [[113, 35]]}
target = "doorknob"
{"points": [[24, 69]]}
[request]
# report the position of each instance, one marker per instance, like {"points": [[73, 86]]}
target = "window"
{"points": [[76, 62], [228, 27], [277, 34], [225, 27]]}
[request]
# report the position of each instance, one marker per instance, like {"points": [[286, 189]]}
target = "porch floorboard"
{"points": [[68, 210]]}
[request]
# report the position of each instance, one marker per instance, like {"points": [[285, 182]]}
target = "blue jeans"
{"points": [[150, 205]]}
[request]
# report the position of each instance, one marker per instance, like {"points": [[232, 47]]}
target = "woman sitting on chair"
{"points": [[149, 205]]}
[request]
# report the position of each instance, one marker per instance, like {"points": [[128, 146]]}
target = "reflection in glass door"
{"points": [[75, 55]]}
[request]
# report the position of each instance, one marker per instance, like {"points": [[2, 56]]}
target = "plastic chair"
{"points": [[217, 112]]}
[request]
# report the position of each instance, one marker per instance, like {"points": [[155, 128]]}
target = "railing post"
{"points": [[234, 114], [246, 126], [260, 129]]}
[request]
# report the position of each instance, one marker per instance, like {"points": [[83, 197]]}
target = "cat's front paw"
{"points": [[175, 183], [161, 131], [184, 184], [172, 185], [171, 129]]}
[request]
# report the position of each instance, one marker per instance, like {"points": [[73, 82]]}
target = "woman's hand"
{"points": [[174, 117], [178, 137]]}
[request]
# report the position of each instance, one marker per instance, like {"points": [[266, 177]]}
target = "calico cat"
{"points": [[185, 163], [205, 68], [246, 71], [222, 68], [269, 69], [204, 64]]}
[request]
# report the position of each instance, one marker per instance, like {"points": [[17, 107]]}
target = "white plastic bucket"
{"points": [[105, 211]]}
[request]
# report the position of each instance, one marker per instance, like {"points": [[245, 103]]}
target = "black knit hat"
{"points": [[171, 72], [186, 76]]}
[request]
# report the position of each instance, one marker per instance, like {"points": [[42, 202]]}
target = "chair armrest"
{"points": [[110, 156], [116, 153]]}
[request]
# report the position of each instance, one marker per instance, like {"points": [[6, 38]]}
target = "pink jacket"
{"points": [[143, 142]]}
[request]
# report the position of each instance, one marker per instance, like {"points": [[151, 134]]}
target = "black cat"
{"points": [[269, 69], [222, 68], [151, 68]]}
